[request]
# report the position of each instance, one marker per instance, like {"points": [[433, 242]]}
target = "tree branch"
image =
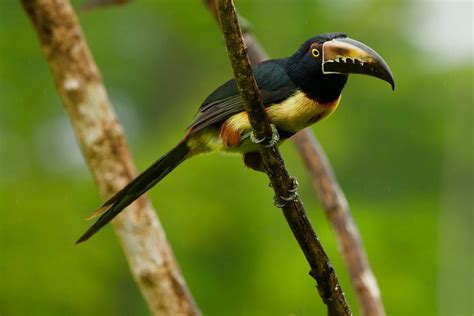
{"points": [[295, 214], [332, 199], [339, 214], [104, 147]]}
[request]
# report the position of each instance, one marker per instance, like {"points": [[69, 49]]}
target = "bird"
{"points": [[297, 91]]}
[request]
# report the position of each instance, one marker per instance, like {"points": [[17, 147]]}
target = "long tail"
{"points": [[132, 191]]}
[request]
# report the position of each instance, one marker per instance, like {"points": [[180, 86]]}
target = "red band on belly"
{"points": [[229, 136]]}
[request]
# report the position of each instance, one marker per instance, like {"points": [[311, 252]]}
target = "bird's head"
{"points": [[331, 57]]}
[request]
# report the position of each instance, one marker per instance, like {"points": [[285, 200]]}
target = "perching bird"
{"points": [[297, 91]]}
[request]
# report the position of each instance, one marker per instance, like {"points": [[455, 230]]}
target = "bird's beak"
{"points": [[345, 56]]}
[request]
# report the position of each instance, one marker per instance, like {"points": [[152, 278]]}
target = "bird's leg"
{"points": [[280, 201], [272, 142], [253, 160]]}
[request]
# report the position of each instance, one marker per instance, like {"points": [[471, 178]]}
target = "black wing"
{"points": [[272, 80]]}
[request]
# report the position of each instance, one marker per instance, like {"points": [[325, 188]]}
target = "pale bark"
{"points": [[337, 211], [104, 147]]}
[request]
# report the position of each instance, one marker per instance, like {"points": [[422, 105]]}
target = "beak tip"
{"points": [[389, 79]]}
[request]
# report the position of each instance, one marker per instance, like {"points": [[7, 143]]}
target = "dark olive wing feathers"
{"points": [[273, 81]]}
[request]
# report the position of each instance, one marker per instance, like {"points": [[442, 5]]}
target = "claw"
{"points": [[275, 137], [255, 139], [296, 185], [280, 201], [277, 202], [272, 142], [291, 197]]}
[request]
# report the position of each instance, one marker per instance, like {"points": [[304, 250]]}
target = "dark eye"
{"points": [[315, 52]]}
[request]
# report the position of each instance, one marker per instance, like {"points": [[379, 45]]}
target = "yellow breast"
{"points": [[293, 114], [299, 111]]}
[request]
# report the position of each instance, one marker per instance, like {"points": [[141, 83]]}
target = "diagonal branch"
{"points": [[104, 147], [332, 198], [339, 214], [295, 214]]}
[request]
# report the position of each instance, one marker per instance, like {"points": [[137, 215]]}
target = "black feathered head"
{"points": [[336, 54]]}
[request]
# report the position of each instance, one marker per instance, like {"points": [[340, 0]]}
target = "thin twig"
{"points": [[332, 198], [104, 147], [295, 214]]}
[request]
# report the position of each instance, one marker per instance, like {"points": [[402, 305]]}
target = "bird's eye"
{"points": [[315, 52]]}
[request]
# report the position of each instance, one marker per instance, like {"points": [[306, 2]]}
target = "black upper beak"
{"points": [[345, 55]]}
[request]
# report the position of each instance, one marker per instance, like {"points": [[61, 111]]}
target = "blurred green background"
{"points": [[404, 159]]}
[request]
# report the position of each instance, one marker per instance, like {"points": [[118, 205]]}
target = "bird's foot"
{"points": [[272, 142], [280, 201]]}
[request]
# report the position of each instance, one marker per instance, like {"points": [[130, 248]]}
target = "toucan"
{"points": [[297, 91]]}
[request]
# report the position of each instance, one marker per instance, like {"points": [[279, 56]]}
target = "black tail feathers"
{"points": [[132, 191]]}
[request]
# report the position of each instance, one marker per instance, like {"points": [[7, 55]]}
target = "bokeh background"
{"points": [[404, 159]]}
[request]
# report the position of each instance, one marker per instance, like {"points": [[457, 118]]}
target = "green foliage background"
{"points": [[404, 160]]}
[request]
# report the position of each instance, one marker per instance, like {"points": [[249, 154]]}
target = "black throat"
{"points": [[316, 85]]}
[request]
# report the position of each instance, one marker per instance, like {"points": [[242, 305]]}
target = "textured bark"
{"points": [[294, 212], [104, 147], [332, 198]]}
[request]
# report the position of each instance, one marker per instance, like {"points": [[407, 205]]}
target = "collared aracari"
{"points": [[297, 91]]}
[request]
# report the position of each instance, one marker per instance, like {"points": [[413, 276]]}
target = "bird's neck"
{"points": [[316, 85]]}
